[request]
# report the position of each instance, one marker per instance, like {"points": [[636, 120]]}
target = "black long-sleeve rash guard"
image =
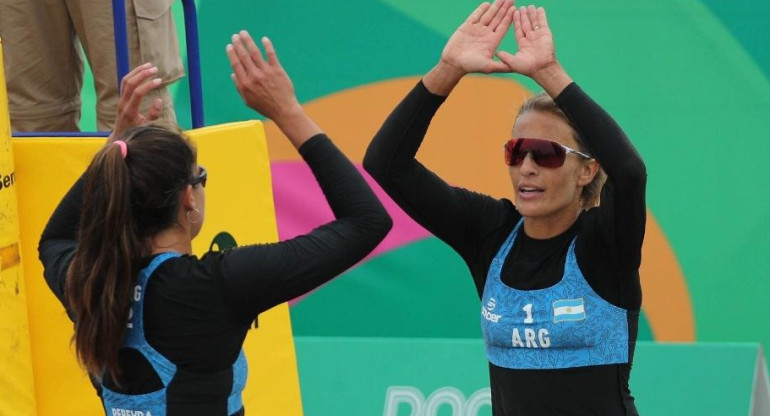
{"points": [[198, 311], [608, 246]]}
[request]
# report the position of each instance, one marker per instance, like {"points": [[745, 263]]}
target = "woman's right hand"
{"points": [[472, 47]]}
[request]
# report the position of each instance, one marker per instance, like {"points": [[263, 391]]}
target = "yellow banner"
{"points": [[239, 208], [17, 391]]}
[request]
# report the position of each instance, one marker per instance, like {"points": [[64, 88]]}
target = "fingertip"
{"points": [[229, 47], [157, 81]]}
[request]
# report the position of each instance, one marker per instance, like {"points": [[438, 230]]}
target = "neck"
{"points": [[542, 228], [172, 239]]}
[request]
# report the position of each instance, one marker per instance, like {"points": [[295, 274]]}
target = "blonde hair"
{"points": [[542, 102]]}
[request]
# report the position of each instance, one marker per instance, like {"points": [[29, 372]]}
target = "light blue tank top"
{"points": [[154, 404], [563, 326]]}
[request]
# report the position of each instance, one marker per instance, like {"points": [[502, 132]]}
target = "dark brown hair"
{"points": [[542, 102], [125, 202]]}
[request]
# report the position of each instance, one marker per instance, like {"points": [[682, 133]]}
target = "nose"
{"points": [[528, 166]]}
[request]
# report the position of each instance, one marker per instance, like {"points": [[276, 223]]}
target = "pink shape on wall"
{"points": [[300, 206]]}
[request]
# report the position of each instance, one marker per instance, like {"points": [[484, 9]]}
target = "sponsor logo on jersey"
{"points": [[489, 316]]}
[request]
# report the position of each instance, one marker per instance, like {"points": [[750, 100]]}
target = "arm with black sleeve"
{"points": [[459, 217], [58, 242], [259, 277], [621, 215], [59, 239]]}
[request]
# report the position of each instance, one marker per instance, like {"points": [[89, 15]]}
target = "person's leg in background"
{"points": [[43, 67], [152, 38]]}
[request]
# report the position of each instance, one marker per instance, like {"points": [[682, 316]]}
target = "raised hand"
{"points": [[133, 87], [472, 47], [266, 88], [535, 41], [263, 84]]}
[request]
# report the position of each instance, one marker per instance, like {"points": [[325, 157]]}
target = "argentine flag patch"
{"points": [[568, 310]]}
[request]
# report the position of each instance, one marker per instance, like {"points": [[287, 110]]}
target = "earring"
{"points": [[197, 216]]}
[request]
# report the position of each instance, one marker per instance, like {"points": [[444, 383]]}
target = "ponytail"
{"points": [[126, 200], [102, 272]]}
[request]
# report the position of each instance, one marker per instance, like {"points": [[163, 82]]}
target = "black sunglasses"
{"points": [[200, 178]]}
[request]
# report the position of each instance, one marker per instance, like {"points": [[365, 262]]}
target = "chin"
{"points": [[535, 210], [528, 210]]}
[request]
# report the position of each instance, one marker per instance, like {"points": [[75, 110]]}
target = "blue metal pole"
{"points": [[193, 63], [121, 38]]}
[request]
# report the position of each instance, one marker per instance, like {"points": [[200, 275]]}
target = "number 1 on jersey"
{"points": [[528, 310]]}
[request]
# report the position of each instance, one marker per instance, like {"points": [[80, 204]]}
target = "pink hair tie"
{"points": [[123, 147]]}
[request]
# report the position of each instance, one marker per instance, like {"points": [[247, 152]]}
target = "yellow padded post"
{"points": [[239, 201], [17, 390]]}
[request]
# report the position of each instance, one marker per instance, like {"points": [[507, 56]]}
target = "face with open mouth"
{"points": [[548, 197]]}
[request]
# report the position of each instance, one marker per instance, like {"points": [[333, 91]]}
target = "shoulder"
{"points": [[188, 273]]}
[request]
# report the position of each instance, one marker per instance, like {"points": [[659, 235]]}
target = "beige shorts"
{"points": [[44, 68]]}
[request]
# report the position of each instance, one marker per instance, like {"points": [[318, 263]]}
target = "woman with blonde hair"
{"points": [[558, 276]]}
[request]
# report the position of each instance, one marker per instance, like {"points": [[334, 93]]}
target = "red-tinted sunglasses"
{"points": [[546, 153]]}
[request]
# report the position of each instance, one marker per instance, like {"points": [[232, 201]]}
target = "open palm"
{"points": [[535, 42], [472, 47], [133, 88]]}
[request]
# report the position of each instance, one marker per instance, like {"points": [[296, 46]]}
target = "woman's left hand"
{"points": [[535, 42], [536, 57], [262, 83]]}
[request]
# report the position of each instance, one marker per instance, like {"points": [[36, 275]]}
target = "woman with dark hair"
{"points": [[159, 329], [557, 270]]}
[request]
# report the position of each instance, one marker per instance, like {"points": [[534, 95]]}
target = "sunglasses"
{"points": [[200, 178], [545, 153]]}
